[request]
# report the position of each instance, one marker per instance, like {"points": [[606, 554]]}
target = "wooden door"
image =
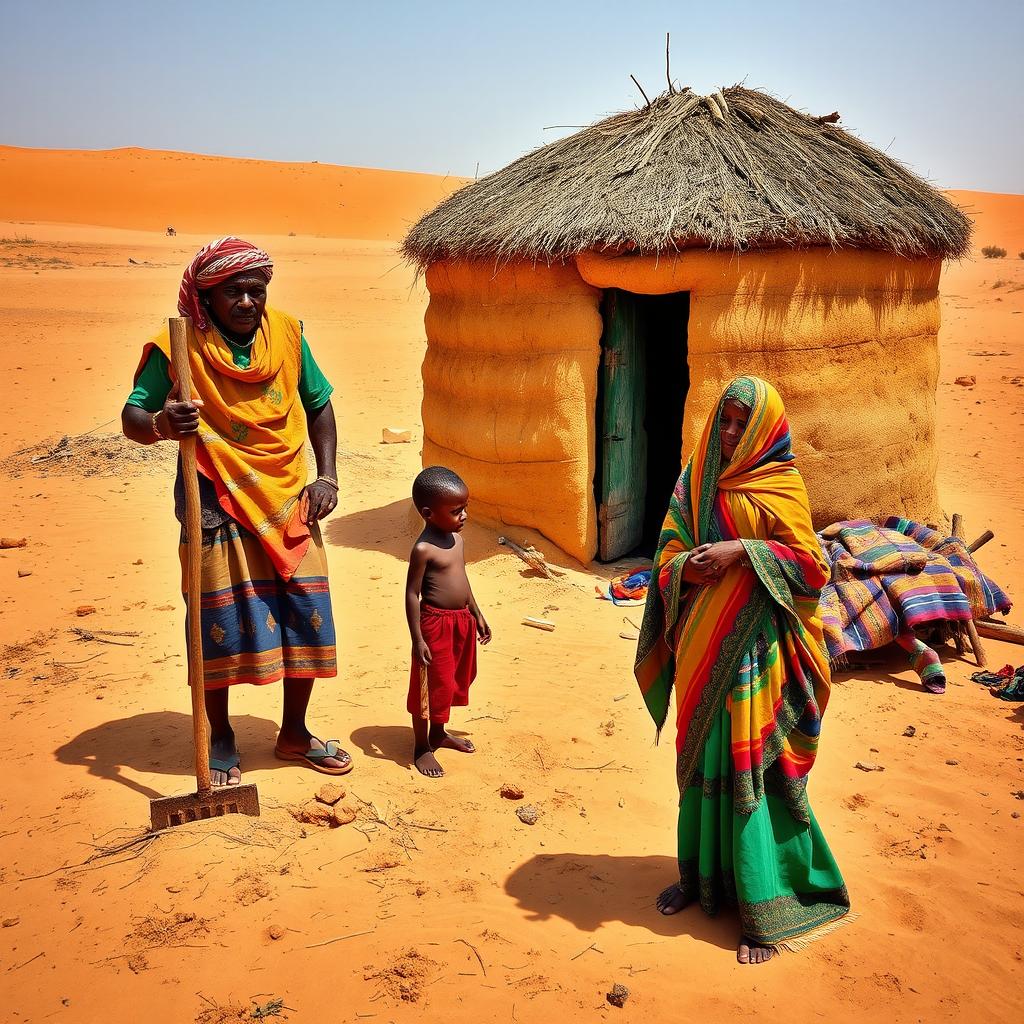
{"points": [[622, 437]]}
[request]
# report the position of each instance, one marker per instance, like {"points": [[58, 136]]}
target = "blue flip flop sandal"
{"points": [[314, 757]]}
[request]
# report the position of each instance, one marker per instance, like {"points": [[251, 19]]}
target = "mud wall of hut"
{"points": [[509, 393], [849, 339]]}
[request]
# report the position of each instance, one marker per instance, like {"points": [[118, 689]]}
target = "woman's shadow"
{"points": [[159, 742], [593, 889]]}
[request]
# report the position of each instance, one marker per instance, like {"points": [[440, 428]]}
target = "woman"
{"points": [[731, 624], [266, 607]]}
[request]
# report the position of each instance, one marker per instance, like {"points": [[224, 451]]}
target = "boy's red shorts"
{"points": [[450, 634]]}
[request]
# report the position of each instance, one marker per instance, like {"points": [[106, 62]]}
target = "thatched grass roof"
{"points": [[735, 170]]}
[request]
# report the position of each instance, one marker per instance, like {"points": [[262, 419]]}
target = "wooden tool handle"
{"points": [[179, 327], [424, 695]]}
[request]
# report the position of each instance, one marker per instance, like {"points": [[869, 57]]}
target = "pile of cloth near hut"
{"points": [[895, 582]]}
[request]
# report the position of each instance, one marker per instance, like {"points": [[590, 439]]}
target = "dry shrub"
{"points": [[993, 252]]}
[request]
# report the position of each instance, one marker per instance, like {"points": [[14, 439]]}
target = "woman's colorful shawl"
{"points": [[753, 639], [898, 576], [252, 431]]}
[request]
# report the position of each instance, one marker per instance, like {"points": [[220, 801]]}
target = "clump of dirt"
{"points": [[250, 886], [406, 977], [17, 655], [168, 929], [382, 862], [330, 793], [91, 455], [323, 814], [510, 791]]}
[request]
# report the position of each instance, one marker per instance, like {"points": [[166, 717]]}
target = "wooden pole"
{"points": [[1001, 631], [972, 631], [980, 542], [180, 328]]}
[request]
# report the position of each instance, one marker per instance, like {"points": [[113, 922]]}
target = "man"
{"points": [[265, 604]]}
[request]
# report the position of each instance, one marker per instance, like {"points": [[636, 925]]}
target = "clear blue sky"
{"points": [[442, 86]]}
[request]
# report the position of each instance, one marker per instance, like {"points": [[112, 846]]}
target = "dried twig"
{"points": [[641, 88], [18, 967], [587, 950], [339, 938], [477, 953]]}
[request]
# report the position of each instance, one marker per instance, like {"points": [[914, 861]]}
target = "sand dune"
{"points": [[437, 903], [150, 190]]}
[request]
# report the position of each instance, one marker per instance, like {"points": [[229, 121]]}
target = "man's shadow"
{"points": [[593, 889], [159, 742]]}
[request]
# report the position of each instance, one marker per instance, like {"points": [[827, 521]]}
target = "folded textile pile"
{"points": [[628, 589], [1006, 684], [889, 579]]}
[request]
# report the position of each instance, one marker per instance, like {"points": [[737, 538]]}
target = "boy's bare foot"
{"points": [[224, 769], [750, 952], [427, 764], [440, 738], [671, 900]]}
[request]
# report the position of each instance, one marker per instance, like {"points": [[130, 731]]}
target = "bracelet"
{"points": [[329, 480], [156, 429]]}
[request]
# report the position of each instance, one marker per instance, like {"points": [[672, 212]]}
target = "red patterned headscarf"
{"points": [[213, 264]]}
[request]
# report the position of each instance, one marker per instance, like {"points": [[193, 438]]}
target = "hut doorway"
{"points": [[642, 385]]}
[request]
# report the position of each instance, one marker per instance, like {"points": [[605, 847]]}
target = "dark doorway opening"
{"points": [[642, 388]]}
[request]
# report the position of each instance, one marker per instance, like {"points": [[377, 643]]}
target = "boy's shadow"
{"points": [[386, 742], [158, 742], [592, 889]]}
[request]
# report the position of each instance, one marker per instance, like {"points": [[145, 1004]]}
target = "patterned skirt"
{"points": [[778, 871], [256, 627]]}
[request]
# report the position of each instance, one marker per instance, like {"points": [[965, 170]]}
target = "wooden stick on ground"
{"points": [[980, 542], [534, 559], [972, 632], [1001, 631]]}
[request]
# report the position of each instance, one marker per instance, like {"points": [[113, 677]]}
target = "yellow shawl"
{"points": [[252, 431]]}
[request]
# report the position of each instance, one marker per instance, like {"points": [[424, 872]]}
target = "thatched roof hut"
{"points": [[564, 251], [735, 170]]}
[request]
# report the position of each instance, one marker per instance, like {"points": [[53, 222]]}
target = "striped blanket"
{"points": [[898, 576]]}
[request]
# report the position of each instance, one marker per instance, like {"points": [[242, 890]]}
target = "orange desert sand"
{"points": [[437, 902]]}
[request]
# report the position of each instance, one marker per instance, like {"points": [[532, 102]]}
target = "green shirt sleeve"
{"points": [[314, 388], [154, 383]]}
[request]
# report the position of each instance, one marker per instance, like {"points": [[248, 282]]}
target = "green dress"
{"points": [[778, 871]]}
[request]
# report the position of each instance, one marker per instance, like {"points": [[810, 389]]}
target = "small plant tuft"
{"points": [[993, 252]]}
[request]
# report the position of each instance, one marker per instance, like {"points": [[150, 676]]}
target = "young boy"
{"points": [[444, 619]]}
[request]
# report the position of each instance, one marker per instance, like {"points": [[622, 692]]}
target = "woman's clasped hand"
{"points": [[708, 563]]}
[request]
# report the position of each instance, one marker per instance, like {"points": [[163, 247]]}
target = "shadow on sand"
{"points": [[390, 529], [590, 890], [386, 742], [160, 742]]}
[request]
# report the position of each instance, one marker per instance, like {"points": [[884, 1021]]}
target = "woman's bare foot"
{"points": [[750, 952], [671, 900], [439, 737], [427, 764], [224, 751]]}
